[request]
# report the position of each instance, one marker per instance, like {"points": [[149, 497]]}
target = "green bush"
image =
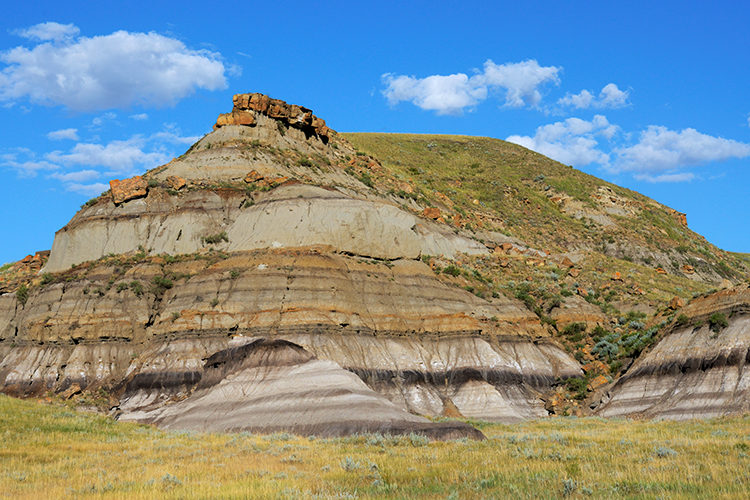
{"points": [[215, 238], [682, 320], [578, 386], [574, 331], [717, 322], [22, 294], [452, 270]]}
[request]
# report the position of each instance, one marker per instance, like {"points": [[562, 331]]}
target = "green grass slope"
{"points": [[547, 204]]}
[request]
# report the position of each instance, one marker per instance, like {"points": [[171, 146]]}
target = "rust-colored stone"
{"points": [[596, 367], [290, 114], [597, 382], [431, 213], [236, 117], [688, 269], [128, 189], [566, 262], [253, 176], [676, 303], [175, 182], [660, 270], [573, 273]]}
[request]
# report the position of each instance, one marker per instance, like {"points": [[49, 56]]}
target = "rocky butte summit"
{"points": [[281, 276]]}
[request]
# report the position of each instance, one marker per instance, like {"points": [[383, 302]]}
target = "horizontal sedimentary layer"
{"points": [[257, 293], [290, 216], [424, 376], [274, 385], [424, 346]]}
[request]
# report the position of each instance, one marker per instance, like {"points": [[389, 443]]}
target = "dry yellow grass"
{"points": [[51, 451]]}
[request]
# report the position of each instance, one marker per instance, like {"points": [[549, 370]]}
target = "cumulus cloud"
{"points": [[609, 97], [49, 31], [119, 157], [662, 150], [451, 94], [118, 70], [66, 133], [573, 141], [77, 176], [28, 167], [139, 116]]}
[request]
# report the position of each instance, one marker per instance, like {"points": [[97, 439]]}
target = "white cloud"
{"points": [[521, 81], [120, 157], [445, 94], [573, 141], [49, 31], [99, 121], [661, 150], [29, 168], [78, 176], [66, 133], [451, 94], [87, 189], [139, 116], [676, 177], [105, 72], [609, 97]]}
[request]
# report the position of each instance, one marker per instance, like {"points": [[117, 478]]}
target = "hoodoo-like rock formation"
{"points": [[701, 368], [261, 283]]}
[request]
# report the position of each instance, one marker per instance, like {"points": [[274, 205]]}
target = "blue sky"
{"points": [[654, 96]]}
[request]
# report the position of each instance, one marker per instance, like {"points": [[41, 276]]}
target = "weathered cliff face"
{"points": [[289, 216], [701, 368], [425, 347]]}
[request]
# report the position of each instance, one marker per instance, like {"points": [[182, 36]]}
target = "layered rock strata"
{"points": [[273, 385], [425, 346], [699, 369]]}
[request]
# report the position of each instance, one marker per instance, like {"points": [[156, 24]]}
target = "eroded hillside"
{"points": [[409, 276]]}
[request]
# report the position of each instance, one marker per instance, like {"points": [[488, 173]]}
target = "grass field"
{"points": [[51, 451]]}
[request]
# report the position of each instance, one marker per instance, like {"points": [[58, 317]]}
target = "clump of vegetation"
{"points": [[717, 322], [160, 284], [366, 179], [22, 294], [574, 331], [215, 239]]}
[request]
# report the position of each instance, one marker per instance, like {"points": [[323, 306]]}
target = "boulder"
{"points": [[253, 176], [597, 382], [676, 303], [128, 189], [236, 117], [289, 114], [431, 213], [566, 262], [175, 182], [688, 269]]}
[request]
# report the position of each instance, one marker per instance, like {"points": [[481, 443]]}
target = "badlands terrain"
{"points": [[280, 277]]}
